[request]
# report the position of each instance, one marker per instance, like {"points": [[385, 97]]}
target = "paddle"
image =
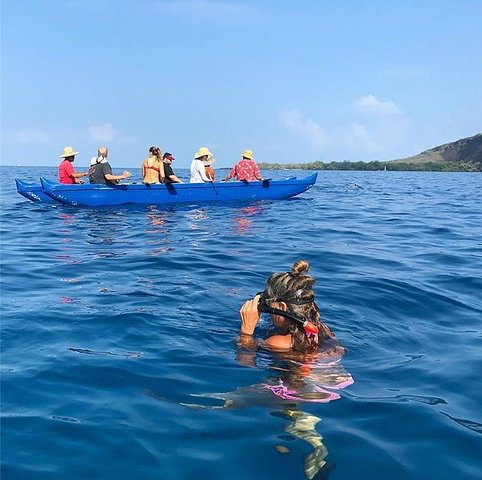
{"points": [[212, 183]]}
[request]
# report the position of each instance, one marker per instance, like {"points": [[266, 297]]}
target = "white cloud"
{"points": [[32, 135], [108, 133], [370, 126], [103, 133], [358, 137], [371, 104], [375, 127], [204, 8], [306, 127]]}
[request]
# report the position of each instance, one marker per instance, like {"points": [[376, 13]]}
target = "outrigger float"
{"points": [[95, 195], [33, 192]]}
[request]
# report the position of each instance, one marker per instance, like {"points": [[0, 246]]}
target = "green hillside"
{"points": [[467, 150], [464, 155]]}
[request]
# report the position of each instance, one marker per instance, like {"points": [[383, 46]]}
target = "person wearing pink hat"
{"points": [[67, 174]]}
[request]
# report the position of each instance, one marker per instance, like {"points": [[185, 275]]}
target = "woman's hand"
{"points": [[249, 316]]}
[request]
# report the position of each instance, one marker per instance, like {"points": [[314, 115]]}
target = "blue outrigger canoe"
{"points": [[93, 195], [33, 192]]}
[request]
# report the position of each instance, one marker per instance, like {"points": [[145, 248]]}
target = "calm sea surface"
{"points": [[113, 319]]}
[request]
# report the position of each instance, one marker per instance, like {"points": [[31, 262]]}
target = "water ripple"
{"points": [[112, 318]]}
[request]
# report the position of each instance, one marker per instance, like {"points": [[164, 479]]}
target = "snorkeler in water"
{"points": [[310, 370], [290, 300]]}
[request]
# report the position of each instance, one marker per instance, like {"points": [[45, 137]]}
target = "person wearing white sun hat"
{"points": [[198, 170], [67, 174]]}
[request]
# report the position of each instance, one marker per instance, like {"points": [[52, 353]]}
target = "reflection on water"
{"points": [[106, 230], [299, 379], [195, 217], [67, 219], [66, 257], [242, 221], [157, 218], [158, 231]]}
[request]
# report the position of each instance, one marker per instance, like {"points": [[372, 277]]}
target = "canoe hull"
{"points": [[33, 192], [102, 195]]}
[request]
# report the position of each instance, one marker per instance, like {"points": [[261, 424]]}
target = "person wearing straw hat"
{"points": [[67, 174], [246, 169], [198, 170]]}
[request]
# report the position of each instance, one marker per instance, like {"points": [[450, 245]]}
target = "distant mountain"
{"points": [[464, 155], [465, 150]]}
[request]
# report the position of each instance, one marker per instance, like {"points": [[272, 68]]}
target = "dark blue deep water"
{"points": [[112, 318]]}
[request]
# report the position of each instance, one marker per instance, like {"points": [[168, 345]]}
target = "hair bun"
{"points": [[300, 267]]}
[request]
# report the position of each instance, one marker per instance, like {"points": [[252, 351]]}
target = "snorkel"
{"points": [[310, 328]]}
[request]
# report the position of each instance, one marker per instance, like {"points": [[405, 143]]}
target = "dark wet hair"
{"points": [[167, 155], [295, 288]]}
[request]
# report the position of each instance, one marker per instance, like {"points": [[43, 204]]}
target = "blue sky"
{"points": [[295, 81]]}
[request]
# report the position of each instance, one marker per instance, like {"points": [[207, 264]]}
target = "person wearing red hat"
{"points": [[169, 176]]}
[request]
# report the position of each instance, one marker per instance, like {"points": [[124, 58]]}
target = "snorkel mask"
{"points": [[310, 328]]}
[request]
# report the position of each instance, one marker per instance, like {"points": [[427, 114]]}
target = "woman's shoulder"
{"points": [[279, 342]]}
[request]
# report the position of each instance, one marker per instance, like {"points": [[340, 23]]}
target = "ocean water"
{"points": [[112, 320]]}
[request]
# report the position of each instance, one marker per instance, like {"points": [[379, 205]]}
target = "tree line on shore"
{"points": [[377, 165]]}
